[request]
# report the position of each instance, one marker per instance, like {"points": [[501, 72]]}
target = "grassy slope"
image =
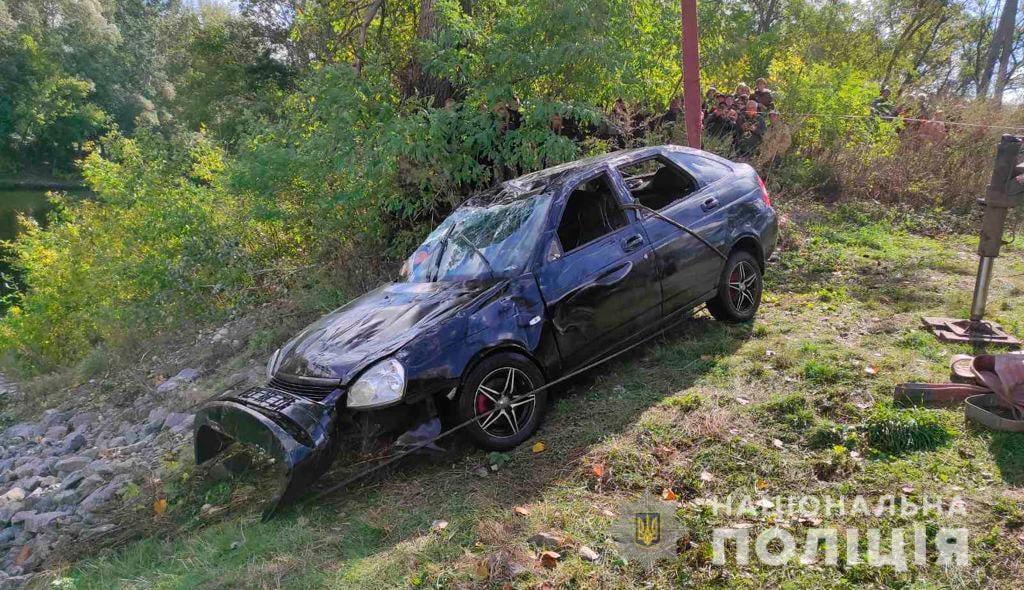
{"points": [[712, 398]]}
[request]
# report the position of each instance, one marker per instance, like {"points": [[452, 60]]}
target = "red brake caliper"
{"points": [[481, 404]]}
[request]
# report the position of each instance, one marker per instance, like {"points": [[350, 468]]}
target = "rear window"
{"points": [[705, 169]]}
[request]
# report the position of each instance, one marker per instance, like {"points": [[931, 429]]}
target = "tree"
{"points": [[999, 51]]}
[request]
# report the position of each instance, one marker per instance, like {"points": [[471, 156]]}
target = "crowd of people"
{"points": [[746, 122], [743, 125], [914, 113]]}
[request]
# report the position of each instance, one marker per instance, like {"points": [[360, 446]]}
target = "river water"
{"points": [[12, 202]]}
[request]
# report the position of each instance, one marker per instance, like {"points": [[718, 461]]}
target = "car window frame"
{"points": [[567, 190], [668, 161]]}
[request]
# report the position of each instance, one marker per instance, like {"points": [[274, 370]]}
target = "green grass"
{"points": [[793, 404]]}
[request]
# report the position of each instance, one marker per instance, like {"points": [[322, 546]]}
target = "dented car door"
{"points": [[605, 291]]}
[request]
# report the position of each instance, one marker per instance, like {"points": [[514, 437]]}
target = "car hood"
{"points": [[342, 343]]}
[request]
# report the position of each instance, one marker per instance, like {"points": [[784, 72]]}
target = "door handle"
{"points": [[632, 243], [709, 204]]}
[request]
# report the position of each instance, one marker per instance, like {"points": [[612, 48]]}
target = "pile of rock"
{"points": [[63, 477]]}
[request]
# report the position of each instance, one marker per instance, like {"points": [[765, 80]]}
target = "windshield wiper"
{"points": [[476, 251], [442, 247]]}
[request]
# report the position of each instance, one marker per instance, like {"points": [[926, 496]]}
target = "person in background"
{"points": [[763, 95], [777, 139], [718, 124], [741, 102], [750, 130], [882, 106], [515, 116], [710, 101], [619, 123], [742, 89]]}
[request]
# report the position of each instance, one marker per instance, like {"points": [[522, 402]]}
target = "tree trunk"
{"points": [[917, 21], [420, 81], [1004, 58], [371, 13], [1002, 39]]}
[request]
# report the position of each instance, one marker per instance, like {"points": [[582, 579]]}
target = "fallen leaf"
{"points": [[908, 489], [777, 443], [743, 401], [598, 470], [23, 555], [549, 559], [160, 506], [521, 510], [439, 525], [764, 503], [588, 554], [668, 495], [706, 476], [761, 484], [483, 571], [608, 513], [538, 447], [870, 369]]}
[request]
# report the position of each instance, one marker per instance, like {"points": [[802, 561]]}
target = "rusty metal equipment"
{"points": [[1005, 190]]}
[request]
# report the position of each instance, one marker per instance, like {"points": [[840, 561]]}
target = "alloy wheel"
{"points": [[743, 287], [503, 402]]}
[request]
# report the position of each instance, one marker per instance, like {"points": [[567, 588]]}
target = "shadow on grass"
{"points": [[311, 543], [1008, 452]]}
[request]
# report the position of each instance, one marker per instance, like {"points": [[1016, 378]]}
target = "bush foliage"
{"points": [[321, 149]]}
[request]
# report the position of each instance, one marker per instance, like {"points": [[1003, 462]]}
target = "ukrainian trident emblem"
{"points": [[648, 528]]}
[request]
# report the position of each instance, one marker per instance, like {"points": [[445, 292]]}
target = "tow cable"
{"points": [[423, 444], [671, 221]]}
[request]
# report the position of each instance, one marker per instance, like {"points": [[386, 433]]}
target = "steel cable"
{"points": [[362, 474]]}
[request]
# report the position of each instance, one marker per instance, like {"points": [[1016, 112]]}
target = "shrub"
{"points": [[161, 240]]}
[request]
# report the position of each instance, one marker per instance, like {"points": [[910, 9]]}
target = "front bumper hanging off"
{"points": [[297, 432]]}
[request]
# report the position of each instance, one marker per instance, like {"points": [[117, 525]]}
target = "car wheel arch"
{"points": [[490, 351], [749, 243]]}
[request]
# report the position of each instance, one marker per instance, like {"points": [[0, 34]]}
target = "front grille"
{"points": [[313, 391]]}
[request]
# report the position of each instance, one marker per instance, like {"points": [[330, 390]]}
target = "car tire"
{"points": [[739, 289], [487, 387]]}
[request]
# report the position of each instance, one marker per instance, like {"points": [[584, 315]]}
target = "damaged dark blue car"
{"points": [[522, 284]]}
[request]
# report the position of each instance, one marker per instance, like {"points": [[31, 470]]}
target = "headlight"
{"points": [[272, 363], [380, 385]]}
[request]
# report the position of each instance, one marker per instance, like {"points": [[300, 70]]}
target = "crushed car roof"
{"points": [[535, 182]]}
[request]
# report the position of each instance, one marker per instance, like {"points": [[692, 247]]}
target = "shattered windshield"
{"points": [[480, 241]]}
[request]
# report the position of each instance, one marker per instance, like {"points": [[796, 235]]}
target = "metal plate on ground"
{"points": [[965, 331]]}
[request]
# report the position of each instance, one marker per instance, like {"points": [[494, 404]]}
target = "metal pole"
{"points": [[981, 284], [691, 71], [997, 204]]}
